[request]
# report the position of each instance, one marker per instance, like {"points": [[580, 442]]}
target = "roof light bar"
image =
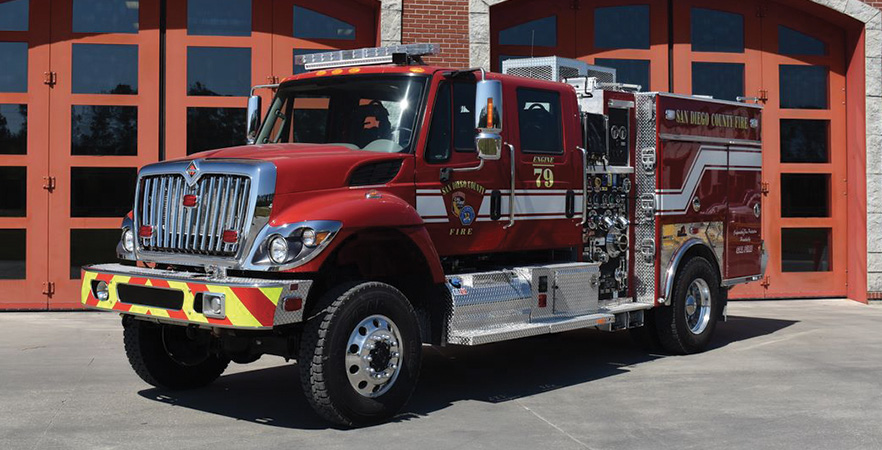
{"points": [[364, 56]]}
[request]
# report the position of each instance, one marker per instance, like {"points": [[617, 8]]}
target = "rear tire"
{"points": [[688, 325], [148, 349], [360, 359]]}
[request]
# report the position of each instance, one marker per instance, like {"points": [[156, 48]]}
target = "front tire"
{"points": [[165, 357], [360, 359], [688, 325]]}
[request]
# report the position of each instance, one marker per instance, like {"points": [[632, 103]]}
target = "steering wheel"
{"points": [[401, 133]]}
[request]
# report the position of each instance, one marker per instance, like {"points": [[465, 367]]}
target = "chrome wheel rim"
{"points": [[698, 306], [374, 354]]}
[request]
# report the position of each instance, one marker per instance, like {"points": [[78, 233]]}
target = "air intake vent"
{"points": [[375, 173]]}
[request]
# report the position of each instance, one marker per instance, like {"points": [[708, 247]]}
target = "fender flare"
{"points": [[357, 211], [677, 259]]}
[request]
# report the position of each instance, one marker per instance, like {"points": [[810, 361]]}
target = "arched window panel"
{"points": [[105, 16], [309, 24], [540, 33], [219, 17], [717, 31], [792, 42], [622, 27], [14, 15]]}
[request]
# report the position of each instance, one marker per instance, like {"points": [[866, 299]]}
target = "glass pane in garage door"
{"points": [[309, 26], [105, 107], [24, 153]]}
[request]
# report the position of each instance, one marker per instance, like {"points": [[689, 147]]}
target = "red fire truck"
{"points": [[383, 204]]}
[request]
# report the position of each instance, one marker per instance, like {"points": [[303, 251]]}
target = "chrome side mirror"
{"points": [[488, 104], [488, 120], [252, 119]]}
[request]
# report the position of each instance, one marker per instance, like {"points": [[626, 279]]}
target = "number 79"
{"points": [[543, 177]]}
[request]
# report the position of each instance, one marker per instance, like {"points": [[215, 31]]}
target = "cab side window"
{"points": [[438, 146], [539, 121], [453, 122]]}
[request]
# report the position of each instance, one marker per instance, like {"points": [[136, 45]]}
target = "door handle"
{"points": [[495, 205]]}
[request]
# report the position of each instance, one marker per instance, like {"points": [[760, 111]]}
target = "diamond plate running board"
{"points": [[516, 331]]}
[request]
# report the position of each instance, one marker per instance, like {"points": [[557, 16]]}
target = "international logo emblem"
{"points": [[191, 173]]}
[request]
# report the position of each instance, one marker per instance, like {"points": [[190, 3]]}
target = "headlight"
{"points": [[308, 237], [128, 240], [294, 244], [278, 249], [100, 290]]}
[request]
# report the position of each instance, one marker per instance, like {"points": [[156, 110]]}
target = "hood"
{"points": [[304, 167]]}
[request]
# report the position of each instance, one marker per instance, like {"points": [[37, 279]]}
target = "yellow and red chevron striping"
{"points": [[246, 306]]}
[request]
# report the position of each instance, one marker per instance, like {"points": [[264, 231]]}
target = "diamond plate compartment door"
{"points": [[575, 288]]}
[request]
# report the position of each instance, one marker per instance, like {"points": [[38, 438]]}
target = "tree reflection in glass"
{"points": [[104, 130], [13, 129], [211, 128]]}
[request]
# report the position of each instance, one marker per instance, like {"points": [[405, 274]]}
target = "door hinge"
{"points": [[764, 188], [50, 78], [49, 288], [49, 183], [766, 282], [272, 79]]}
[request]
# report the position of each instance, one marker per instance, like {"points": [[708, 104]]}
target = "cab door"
{"points": [[460, 199], [548, 166]]}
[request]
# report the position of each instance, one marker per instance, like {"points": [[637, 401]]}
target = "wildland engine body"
{"points": [[383, 204]]}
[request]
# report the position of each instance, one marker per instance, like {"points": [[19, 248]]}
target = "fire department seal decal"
{"points": [[460, 209]]}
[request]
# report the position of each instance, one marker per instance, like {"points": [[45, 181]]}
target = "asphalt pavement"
{"points": [[799, 374]]}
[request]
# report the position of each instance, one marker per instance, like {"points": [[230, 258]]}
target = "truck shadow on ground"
{"points": [[491, 373]]}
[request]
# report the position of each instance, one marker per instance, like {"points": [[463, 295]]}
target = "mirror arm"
{"points": [[511, 197], [469, 169], [264, 86]]}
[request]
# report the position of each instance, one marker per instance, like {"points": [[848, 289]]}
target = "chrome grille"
{"points": [[221, 205]]}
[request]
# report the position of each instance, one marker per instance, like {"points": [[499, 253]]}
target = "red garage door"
{"points": [[790, 61], [121, 98]]}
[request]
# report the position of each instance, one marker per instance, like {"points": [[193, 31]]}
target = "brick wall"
{"points": [[444, 22]]}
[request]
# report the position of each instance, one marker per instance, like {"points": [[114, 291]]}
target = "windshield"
{"points": [[373, 113]]}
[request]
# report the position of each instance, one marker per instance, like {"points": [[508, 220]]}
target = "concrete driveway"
{"points": [[782, 374]]}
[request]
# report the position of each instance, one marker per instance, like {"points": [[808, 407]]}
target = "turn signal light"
{"points": [[293, 304], [230, 236], [146, 231], [190, 200]]}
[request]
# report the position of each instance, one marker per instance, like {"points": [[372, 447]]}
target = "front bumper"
{"points": [[249, 303]]}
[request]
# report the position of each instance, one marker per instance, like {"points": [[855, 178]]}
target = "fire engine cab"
{"points": [[382, 204]]}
